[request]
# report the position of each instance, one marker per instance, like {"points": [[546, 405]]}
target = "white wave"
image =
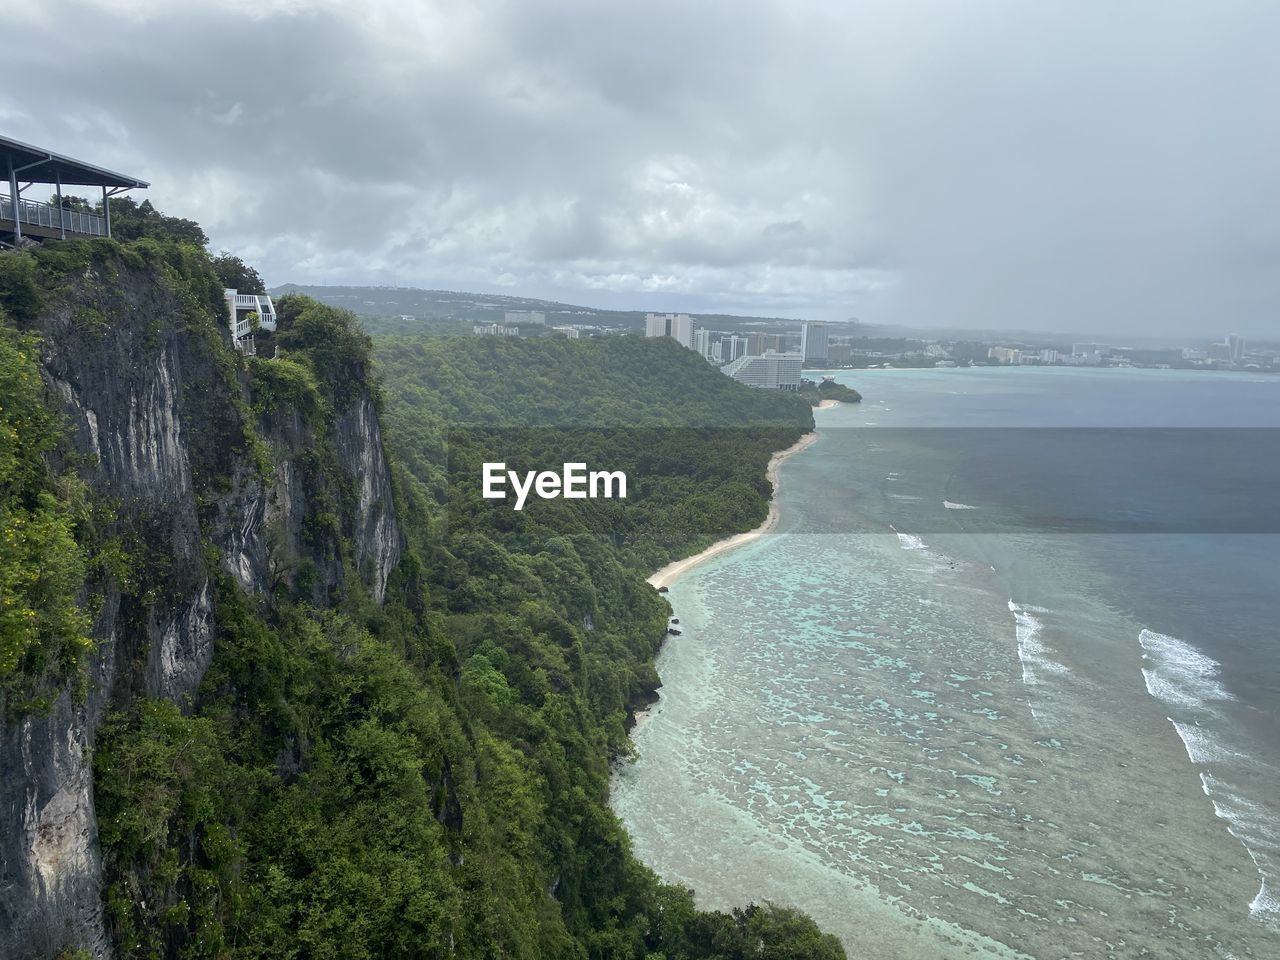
{"points": [[1179, 675], [1182, 677], [1203, 746], [957, 506], [910, 542], [1265, 907], [1258, 830], [1032, 653]]}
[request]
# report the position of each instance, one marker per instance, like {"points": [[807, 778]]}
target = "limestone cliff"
{"points": [[194, 472]]}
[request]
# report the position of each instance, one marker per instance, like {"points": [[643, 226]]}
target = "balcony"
{"points": [[41, 219]]}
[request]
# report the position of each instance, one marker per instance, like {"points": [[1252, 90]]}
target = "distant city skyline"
{"points": [[995, 165]]}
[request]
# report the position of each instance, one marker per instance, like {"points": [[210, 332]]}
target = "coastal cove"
{"points": [[947, 741], [668, 575]]}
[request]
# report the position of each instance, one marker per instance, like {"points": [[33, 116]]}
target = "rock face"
{"points": [[154, 404], [376, 537]]}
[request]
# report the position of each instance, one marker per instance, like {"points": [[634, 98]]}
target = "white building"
{"points": [[732, 347], [515, 318], [702, 341], [1090, 353], [1048, 356], [773, 371], [248, 312], [678, 326], [813, 341], [494, 330], [573, 333], [1005, 355]]}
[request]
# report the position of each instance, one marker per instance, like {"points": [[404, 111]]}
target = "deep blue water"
{"points": [[1180, 470]]}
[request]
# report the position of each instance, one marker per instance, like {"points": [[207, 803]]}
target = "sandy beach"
{"points": [[674, 570], [827, 404]]}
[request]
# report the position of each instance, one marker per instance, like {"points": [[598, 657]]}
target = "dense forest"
{"points": [[694, 445], [420, 774]]}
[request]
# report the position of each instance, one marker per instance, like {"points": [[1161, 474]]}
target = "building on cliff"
{"points": [[241, 308], [24, 165]]}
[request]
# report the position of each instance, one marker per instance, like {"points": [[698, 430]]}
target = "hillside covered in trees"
{"points": [[289, 694], [693, 443]]}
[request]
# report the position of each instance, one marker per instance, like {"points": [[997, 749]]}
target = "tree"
{"points": [[237, 275], [131, 220], [43, 631]]}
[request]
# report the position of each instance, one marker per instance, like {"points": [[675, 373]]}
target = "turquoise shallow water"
{"points": [[949, 743]]}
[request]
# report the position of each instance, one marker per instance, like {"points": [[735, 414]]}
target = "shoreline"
{"points": [[668, 575]]}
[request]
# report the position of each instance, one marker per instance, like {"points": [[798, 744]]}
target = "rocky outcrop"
{"points": [[376, 537], [49, 863], [155, 407]]}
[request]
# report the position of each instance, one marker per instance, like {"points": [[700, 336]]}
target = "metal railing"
{"points": [[39, 214]]}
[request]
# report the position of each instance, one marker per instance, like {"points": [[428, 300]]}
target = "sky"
{"points": [[1046, 165]]}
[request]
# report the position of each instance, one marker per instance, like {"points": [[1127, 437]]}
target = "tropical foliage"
{"points": [[43, 628], [428, 776]]}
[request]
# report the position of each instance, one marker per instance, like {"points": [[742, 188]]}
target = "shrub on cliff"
{"points": [[330, 339], [43, 630]]}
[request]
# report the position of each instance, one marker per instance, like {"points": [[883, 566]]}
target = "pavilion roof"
{"points": [[38, 165]]}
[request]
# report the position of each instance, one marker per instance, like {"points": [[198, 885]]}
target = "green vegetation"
{"points": [[419, 326], [426, 777], [430, 777], [43, 629], [239, 276], [57, 541], [131, 220], [815, 393], [329, 341], [694, 446]]}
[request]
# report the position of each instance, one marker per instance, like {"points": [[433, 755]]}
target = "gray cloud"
{"points": [[1056, 165]]}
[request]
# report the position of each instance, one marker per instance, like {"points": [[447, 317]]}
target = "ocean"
{"points": [[1004, 680]]}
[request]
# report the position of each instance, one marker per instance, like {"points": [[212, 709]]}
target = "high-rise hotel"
{"points": [[813, 341], [678, 326]]}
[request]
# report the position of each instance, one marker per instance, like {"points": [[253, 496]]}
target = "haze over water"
{"points": [[1004, 690]]}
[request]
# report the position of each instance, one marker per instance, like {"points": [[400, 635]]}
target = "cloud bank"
{"points": [[1054, 166]]}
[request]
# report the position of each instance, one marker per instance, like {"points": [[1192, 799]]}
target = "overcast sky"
{"points": [[1085, 165]]}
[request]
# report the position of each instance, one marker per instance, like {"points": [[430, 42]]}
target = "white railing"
{"points": [[37, 214], [261, 305]]}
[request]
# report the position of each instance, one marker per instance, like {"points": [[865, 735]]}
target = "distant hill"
{"points": [[444, 305], [438, 309]]}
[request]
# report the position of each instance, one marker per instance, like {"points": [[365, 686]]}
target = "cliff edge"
{"points": [[199, 462]]}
